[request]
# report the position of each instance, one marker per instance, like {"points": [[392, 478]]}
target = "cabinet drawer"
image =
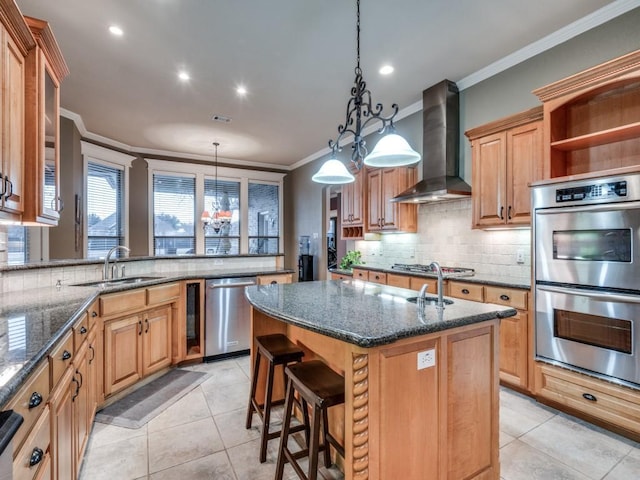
{"points": [[467, 291], [163, 293], [271, 279], [80, 331], [360, 274], [339, 276], [617, 405], [506, 296], [378, 277], [34, 450], [418, 282], [401, 281], [122, 302], [61, 358], [30, 402], [93, 312]]}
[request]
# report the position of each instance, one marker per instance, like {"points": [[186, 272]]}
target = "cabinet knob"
{"points": [[590, 397], [465, 291], [36, 456], [66, 355], [83, 330], [94, 314], [504, 298], [35, 400]]}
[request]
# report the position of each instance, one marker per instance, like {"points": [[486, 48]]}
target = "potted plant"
{"points": [[353, 257]]}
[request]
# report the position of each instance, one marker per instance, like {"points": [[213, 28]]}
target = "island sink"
{"points": [[430, 300], [115, 281]]}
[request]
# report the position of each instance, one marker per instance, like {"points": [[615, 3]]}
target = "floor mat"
{"points": [[137, 408]]}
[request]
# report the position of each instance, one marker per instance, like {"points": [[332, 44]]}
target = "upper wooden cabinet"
{"points": [[384, 215], [16, 40], [45, 69], [352, 205], [506, 158], [592, 119]]}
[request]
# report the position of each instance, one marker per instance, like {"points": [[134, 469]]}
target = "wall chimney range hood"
{"points": [[440, 148]]}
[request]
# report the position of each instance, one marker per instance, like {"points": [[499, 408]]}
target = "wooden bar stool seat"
{"points": [[277, 349], [321, 388]]}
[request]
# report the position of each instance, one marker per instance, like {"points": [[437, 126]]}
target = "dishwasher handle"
{"points": [[231, 285]]}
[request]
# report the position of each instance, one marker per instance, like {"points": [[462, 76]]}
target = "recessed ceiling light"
{"points": [[241, 90], [386, 70], [116, 30], [184, 76]]}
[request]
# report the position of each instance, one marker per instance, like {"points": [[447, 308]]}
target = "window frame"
{"points": [[200, 171], [103, 156]]}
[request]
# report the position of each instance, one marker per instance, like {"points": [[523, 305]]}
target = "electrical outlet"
{"points": [[520, 257], [315, 234], [426, 359]]}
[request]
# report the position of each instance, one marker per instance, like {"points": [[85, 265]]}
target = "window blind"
{"points": [[174, 215], [105, 198], [264, 221]]}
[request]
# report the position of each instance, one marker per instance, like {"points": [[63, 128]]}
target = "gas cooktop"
{"points": [[446, 271]]}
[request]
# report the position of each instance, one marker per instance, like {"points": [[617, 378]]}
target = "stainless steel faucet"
{"points": [[105, 270], [436, 267], [421, 296]]}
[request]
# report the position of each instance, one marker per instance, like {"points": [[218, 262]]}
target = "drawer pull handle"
{"points": [[93, 354], [465, 291], [140, 327], [35, 400], [66, 355], [590, 397], [504, 298], [75, 380], [83, 330], [94, 314], [274, 282], [146, 321], [36, 456]]}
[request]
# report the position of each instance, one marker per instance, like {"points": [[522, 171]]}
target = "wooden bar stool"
{"points": [[277, 349], [320, 387]]}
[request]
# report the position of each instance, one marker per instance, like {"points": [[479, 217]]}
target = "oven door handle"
{"points": [[590, 208], [606, 297]]}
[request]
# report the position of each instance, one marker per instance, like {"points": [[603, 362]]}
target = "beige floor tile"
{"points": [[227, 398], [628, 468], [183, 443], [211, 467], [103, 434], [519, 414], [505, 439], [519, 461], [124, 460], [232, 429], [245, 364], [225, 373], [189, 408], [584, 447], [246, 464]]}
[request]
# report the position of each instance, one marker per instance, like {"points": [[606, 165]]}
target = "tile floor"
{"points": [[202, 436]]}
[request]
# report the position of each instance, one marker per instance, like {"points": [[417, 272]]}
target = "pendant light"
{"points": [[391, 151], [221, 214]]}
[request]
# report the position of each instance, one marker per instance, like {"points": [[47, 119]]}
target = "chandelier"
{"points": [[391, 151], [220, 215]]}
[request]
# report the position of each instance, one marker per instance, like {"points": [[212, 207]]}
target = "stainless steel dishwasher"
{"points": [[227, 317]]}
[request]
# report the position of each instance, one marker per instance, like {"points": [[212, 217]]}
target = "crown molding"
{"points": [[595, 19]]}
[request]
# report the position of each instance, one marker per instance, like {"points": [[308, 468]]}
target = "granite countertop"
{"points": [[362, 313], [486, 279], [32, 321]]}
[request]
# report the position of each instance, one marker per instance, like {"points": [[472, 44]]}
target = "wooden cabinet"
{"points": [[45, 69], [16, 41], [506, 158], [122, 353], [341, 276], [515, 340], [592, 119], [359, 274], [377, 277], [81, 405], [601, 402], [62, 434], [156, 340], [382, 214], [276, 278], [401, 281], [353, 207]]}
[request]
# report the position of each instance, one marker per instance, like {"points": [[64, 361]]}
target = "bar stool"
{"points": [[277, 349], [320, 387]]}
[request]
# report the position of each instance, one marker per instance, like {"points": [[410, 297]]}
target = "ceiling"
{"points": [[296, 59]]}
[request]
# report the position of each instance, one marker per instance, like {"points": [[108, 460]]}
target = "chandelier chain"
{"points": [[358, 37]]}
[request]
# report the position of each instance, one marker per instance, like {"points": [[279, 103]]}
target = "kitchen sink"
{"points": [[114, 281], [430, 300]]}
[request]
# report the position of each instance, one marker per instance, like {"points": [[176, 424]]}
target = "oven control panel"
{"points": [[596, 191]]}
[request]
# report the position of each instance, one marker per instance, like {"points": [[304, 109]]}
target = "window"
{"points": [[226, 240], [105, 200], [17, 241], [264, 221], [173, 215]]}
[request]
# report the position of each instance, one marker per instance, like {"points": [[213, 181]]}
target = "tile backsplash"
{"points": [[445, 235]]}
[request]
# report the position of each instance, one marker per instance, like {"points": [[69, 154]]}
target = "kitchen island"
{"points": [[421, 386]]}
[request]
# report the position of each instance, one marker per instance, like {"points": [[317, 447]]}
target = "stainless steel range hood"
{"points": [[440, 148]]}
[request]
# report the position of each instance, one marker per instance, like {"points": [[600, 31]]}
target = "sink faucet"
{"points": [[436, 266], [105, 270], [422, 295]]}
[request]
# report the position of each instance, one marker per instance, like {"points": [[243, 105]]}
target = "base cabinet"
{"points": [[122, 353], [62, 434]]}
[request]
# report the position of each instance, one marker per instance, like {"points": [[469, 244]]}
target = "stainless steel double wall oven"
{"points": [[587, 275]]}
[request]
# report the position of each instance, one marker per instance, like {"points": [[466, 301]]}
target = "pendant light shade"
{"points": [[392, 151], [333, 171]]}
